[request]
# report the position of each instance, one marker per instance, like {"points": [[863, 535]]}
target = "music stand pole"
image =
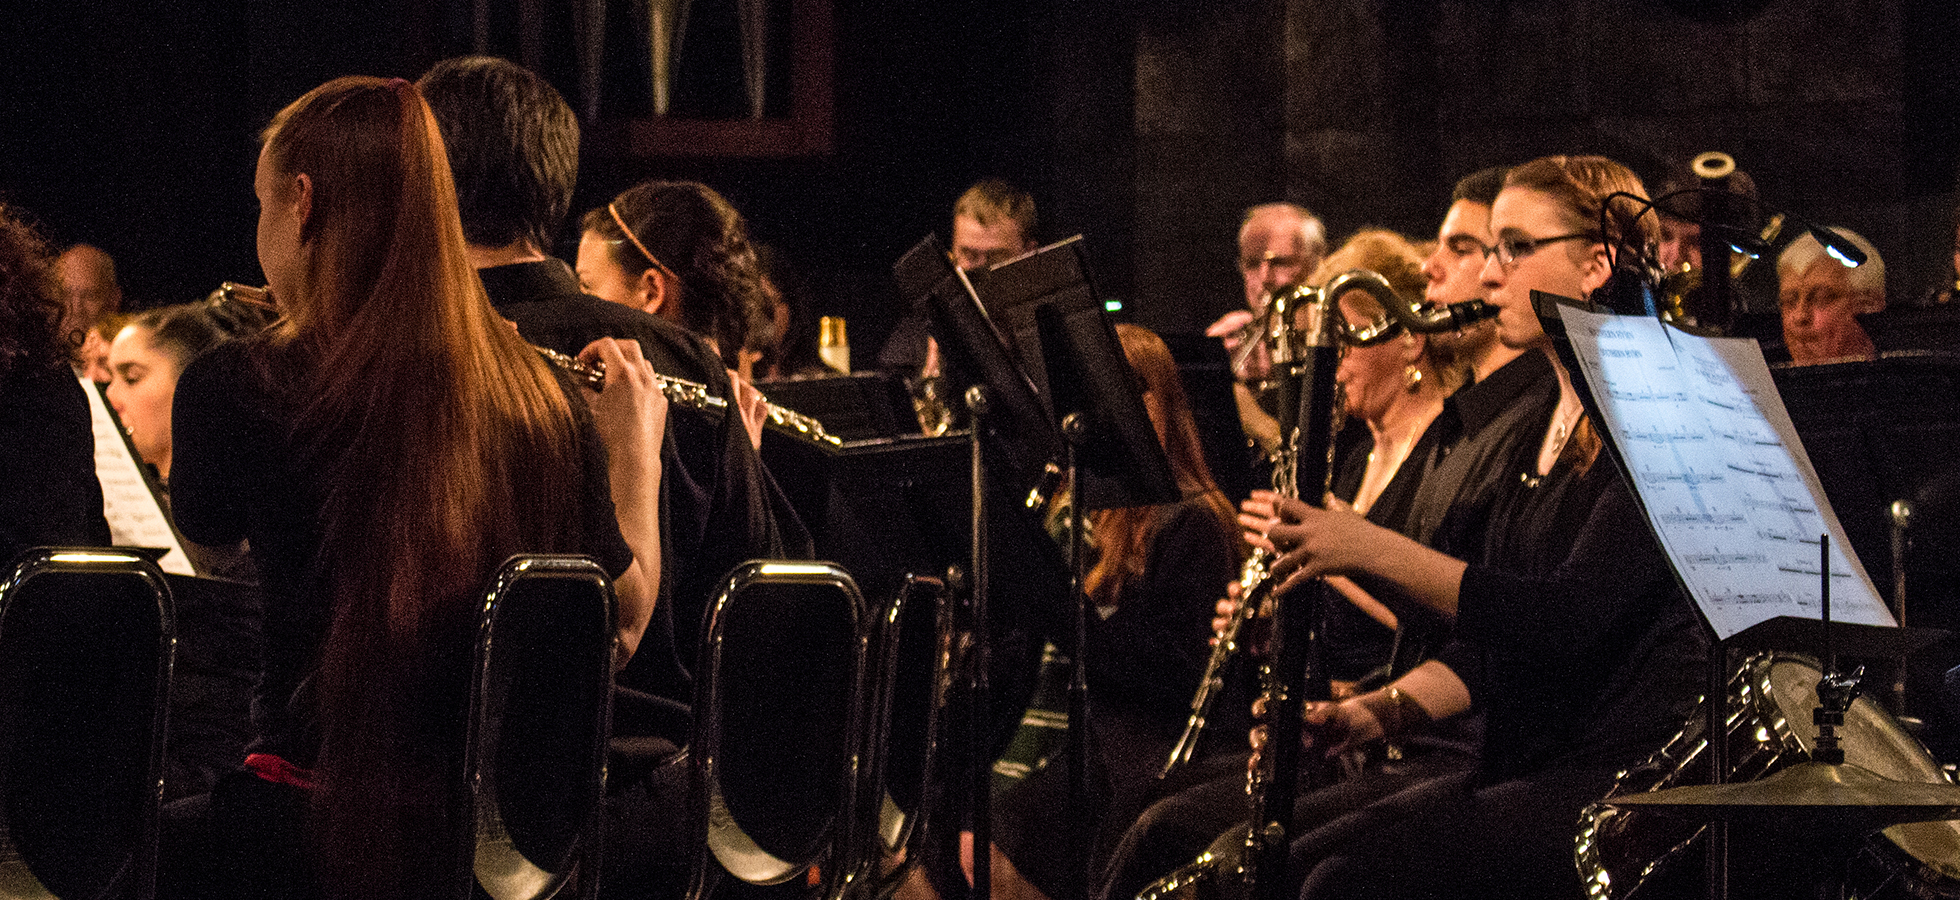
{"points": [[981, 787], [1900, 514], [1074, 430]]}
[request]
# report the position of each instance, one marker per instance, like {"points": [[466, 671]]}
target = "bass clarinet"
{"points": [[1277, 331], [1253, 863]]}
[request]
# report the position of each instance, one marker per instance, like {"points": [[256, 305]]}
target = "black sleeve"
{"points": [[1559, 619], [209, 437], [49, 494], [603, 542], [1153, 648], [726, 509]]}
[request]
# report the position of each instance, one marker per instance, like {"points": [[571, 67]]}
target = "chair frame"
{"points": [[883, 828], [478, 819], [709, 841], [138, 879]]}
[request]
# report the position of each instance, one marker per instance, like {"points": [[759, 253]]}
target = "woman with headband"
{"points": [[678, 250]]}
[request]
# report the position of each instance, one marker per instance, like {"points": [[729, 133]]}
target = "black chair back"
{"points": [[86, 644], [776, 737], [911, 654], [539, 717]]}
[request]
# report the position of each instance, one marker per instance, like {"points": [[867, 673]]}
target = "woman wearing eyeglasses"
{"points": [[1570, 636]]}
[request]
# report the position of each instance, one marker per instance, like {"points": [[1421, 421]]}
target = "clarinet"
{"points": [[1253, 576], [1253, 863]]}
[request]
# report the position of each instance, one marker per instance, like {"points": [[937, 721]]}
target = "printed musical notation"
{"points": [[1720, 471], [135, 517]]}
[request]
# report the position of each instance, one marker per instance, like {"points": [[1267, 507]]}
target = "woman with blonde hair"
{"points": [[1391, 393], [384, 446]]}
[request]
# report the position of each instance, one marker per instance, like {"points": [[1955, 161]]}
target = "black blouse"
{"points": [[1571, 633], [237, 474], [49, 495]]}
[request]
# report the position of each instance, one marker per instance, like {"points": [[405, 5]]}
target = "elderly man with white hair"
{"points": [[1821, 297], [1279, 245]]}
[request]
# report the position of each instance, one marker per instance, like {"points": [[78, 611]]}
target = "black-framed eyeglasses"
{"points": [[1511, 249]]}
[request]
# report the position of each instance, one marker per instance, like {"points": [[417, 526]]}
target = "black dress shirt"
{"points": [[719, 505]]}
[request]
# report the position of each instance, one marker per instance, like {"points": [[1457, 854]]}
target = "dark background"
{"points": [[1146, 126]]}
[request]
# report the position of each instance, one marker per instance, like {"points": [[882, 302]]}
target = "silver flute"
{"points": [[678, 391]]}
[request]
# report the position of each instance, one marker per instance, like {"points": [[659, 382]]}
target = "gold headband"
{"points": [[613, 208]]}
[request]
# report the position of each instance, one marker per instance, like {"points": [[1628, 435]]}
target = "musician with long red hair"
{"points": [[384, 446]]}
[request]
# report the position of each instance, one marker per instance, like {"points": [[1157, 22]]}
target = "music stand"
{"points": [[1725, 627], [1114, 457], [1012, 435], [1020, 437], [1208, 381], [1069, 349], [1881, 433]]}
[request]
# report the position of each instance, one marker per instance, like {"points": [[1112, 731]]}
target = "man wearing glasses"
{"points": [[993, 222], [1280, 244]]}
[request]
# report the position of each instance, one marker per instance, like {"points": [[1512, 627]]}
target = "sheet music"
{"points": [[1721, 471], [135, 517]]}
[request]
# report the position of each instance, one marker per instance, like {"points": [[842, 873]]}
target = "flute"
{"points": [[679, 391]]}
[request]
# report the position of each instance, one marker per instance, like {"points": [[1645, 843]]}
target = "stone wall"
{"points": [[1841, 109]]}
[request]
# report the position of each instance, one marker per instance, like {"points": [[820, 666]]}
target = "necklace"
{"points": [[1564, 419]]}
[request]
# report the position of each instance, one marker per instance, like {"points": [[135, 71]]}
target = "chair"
{"points": [[86, 645], [776, 745], [539, 715], [912, 650]]}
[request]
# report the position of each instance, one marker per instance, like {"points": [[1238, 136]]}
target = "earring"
{"points": [[1414, 375]]}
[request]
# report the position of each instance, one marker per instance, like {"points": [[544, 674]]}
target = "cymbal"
{"points": [[1811, 791]]}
